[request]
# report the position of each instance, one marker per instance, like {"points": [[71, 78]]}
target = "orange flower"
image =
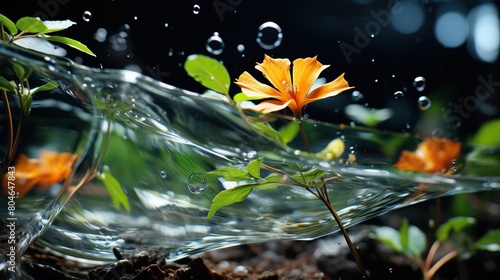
{"points": [[52, 167], [432, 155], [290, 91]]}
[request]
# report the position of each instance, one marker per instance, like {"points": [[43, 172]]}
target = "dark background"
{"points": [[159, 35]]}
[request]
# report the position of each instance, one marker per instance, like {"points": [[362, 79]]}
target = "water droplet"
{"points": [[215, 44], [424, 103], [240, 48], [356, 96], [269, 35], [390, 270], [419, 83], [398, 94], [197, 183], [87, 16], [196, 9], [163, 174], [166, 24], [100, 35]]}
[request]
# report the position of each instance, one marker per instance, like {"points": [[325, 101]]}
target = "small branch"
{"points": [[431, 254], [430, 274], [303, 134]]}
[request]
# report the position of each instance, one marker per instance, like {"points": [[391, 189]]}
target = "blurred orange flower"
{"points": [[289, 91], [50, 168], [434, 155]]}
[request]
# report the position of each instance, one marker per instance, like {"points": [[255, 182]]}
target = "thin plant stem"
{"points": [[431, 254], [430, 274], [322, 194], [10, 132]]}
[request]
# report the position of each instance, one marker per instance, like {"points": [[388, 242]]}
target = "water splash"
{"points": [[157, 125]]}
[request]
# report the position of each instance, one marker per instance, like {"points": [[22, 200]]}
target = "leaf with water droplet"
{"points": [[209, 72], [228, 197], [114, 188], [9, 24], [69, 42], [253, 168], [455, 224]]}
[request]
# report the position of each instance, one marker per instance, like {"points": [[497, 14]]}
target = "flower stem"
{"points": [[322, 194]]}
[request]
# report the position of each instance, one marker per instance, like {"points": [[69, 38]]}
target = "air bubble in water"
{"points": [[240, 48], [87, 16], [100, 35], [424, 103], [398, 94], [356, 96], [269, 35], [215, 44], [196, 9], [419, 83], [197, 183], [163, 174]]}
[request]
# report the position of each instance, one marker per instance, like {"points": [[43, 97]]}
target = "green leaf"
{"points": [[488, 134], [228, 197], [455, 224], [57, 25], [489, 242], [231, 174], [209, 72], [289, 132], [26, 100], [240, 97], [266, 130], [6, 85], [70, 42], [310, 178], [9, 24], [115, 190], [403, 233], [253, 168], [46, 87], [388, 236], [21, 73], [31, 25], [413, 241]]}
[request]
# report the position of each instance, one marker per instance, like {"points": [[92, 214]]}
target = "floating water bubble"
{"points": [[197, 183], [269, 35], [163, 174], [356, 96], [87, 16], [196, 9], [424, 103], [215, 45], [240, 48], [100, 35], [398, 94], [419, 83], [166, 24], [118, 43]]}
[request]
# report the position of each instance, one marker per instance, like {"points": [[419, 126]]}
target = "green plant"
{"points": [[295, 96], [410, 241], [19, 87]]}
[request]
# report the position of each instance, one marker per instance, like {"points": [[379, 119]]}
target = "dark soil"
{"points": [[326, 258]]}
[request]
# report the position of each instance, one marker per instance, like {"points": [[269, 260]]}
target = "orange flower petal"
{"points": [[26, 176], [277, 71], [305, 72], [255, 89], [55, 166], [327, 90], [434, 155], [269, 106]]}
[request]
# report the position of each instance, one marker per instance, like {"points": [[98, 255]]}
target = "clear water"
{"points": [[162, 141]]}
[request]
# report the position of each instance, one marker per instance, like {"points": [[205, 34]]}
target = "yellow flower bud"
{"points": [[333, 150]]}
